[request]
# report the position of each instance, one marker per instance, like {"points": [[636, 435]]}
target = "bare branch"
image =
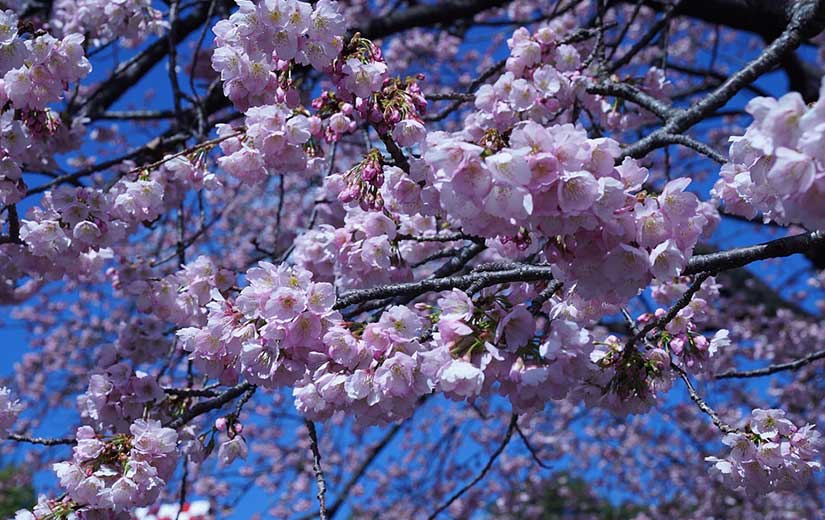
{"points": [[803, 16], [482, 279], [211, 404], [696, 398], [510, 429], [42, 440], [316, 468], [742, 256], [773, 369]]}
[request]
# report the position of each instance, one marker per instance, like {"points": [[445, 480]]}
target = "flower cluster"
{"points": [[269, 332], [274, 143], [73, 230], [116, 394], [632, 379], [374, 371], [363, 182], [234, 447], [610, 238], [256, 45], [541, 79], [777, 168], [473, 336], [365, 90], [9, 410], [33, 73], [36, 71], [366, 250], [178, 298], [131, 21], [547, 78], [120, 472], [772, 454], [477, 346]]}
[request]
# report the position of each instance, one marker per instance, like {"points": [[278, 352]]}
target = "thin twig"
{"points": [[510, 429], [703, 406], [531, 449], [680, 304], [772, 369]]}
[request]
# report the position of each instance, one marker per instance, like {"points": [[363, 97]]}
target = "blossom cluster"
{"points": [[475, 347], [368, 250], [634, 379], [682, 335], [611, 238], [177, 298], [516, 174], [116, 394], [130, 21], [120, 472], [546, 79], [269, 332], [9, 410], [364, 91], [771, 454], [376, 371], [34, 72], [777, 168], [234, 447], [257, 44], [73, 230], [273, 144]]}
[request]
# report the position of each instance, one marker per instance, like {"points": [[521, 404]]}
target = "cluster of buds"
{"points": [[234, 447], [521, 239], [635, 377], [339, 116], [364, 52], [286, 92], [363, 87], [493, 141], [363, 182], [230, 425], [398, 100], [41, 123]]}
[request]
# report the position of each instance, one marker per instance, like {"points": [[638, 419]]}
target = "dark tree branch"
{"points": [[805, 15], [42, 441], [211, 404], [742, 256], [426, 14], [773, 369], [131, 72], [316, 468], [479, 279]]}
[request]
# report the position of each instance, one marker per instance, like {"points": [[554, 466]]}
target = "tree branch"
{"points": [[773, 369], [741, 256], [316, 468], [804, 16]]}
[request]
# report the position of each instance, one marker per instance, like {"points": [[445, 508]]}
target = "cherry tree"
{"points": [[408, 259]]}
